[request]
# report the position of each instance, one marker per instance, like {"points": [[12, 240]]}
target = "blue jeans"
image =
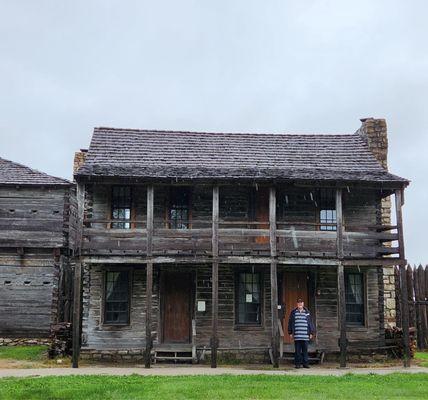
{"points": [[301, 352]]}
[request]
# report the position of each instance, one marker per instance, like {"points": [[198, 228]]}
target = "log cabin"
{"points": [[36, 238], [196, 245]]}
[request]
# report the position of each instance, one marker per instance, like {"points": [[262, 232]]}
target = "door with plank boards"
{"points": [[176, 300], [295, 285]]}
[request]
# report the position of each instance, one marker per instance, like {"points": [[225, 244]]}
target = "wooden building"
{"points": [[191, 241], [36, 235]]}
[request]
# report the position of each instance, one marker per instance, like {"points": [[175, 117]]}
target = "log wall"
{"points": [[28, 293], [97, 336]]}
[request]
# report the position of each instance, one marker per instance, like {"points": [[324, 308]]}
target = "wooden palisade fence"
{"points": [[417, 296]]}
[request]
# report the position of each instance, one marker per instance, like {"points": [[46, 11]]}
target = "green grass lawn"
{"points": [[24, 353], [394, 386], [422, 357]]}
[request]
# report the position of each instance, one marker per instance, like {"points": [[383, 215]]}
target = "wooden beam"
{"points": [[404, 301], [149, 220], [214, 337], [342, 314], [149, 275], [76, 313], [77, 279], [273, 277], [272, 221], [339, 224], [215, 219], [149, 293]]}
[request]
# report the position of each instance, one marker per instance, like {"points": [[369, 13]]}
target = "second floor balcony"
{"points": [[296, 222]]}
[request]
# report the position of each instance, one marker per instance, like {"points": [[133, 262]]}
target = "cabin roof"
{"points": [[205, 155], [12, 173]]}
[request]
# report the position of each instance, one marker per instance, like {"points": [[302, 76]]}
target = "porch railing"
{"points": [[239, 238]]}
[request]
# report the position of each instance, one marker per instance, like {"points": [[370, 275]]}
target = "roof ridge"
{"points": [[127, 130]]}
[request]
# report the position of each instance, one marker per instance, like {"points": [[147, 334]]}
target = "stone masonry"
{"points": [[374, 132]]}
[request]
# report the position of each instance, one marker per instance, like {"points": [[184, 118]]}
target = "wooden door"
{"points": [[176, 300], [295, 285], [262, 212]]}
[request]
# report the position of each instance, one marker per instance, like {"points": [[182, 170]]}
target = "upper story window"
{"points": [[354, 293], [179, 208], [121, 200], [116, 298], [248, 296], [327, 209]]}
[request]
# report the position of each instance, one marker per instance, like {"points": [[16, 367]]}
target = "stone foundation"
{"points": [[24, 341], [130, 356]]}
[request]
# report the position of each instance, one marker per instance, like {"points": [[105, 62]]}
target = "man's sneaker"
{"points": [[306, 366], [297, 366]]}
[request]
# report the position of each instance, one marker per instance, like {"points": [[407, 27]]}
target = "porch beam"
{"points": [[149, 275], [273, 276], [399, 201], [214, 334], [342, 314]]}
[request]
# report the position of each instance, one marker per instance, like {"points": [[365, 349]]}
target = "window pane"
{"points": [[121, 206], [116, 297], [354, 293], [249, 298], [179, 208]]}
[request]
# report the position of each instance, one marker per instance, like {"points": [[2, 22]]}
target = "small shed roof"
{"points": [[205, 155], [12, 173]]}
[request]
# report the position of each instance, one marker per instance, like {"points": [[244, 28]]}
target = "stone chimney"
{"points": [[79, 159], [374, 132]]}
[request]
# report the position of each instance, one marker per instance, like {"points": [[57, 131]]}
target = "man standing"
{"points": [[301, 329]]}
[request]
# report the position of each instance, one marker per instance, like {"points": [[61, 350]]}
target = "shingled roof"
{"points": [[12, 173], [202, 155]]}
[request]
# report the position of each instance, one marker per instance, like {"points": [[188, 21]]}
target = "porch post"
{"points": [[77, 279], [342, 314], [341, 280], [273, 276], [399, 201], [215, 217], [77, 312], [149, 275]]}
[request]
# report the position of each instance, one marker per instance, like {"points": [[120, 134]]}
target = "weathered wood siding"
{"points": [[28, 293], [327, 311], [102, 337], [96, 335], [33, 217], [293, 204]]}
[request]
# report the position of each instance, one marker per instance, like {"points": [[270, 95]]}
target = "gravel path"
{"points": [[198, 370]]}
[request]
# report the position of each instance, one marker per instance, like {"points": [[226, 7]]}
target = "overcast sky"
{"points": [[221, 65]]}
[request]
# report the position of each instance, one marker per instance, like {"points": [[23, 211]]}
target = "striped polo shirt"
{"points": [[300, 326]]}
